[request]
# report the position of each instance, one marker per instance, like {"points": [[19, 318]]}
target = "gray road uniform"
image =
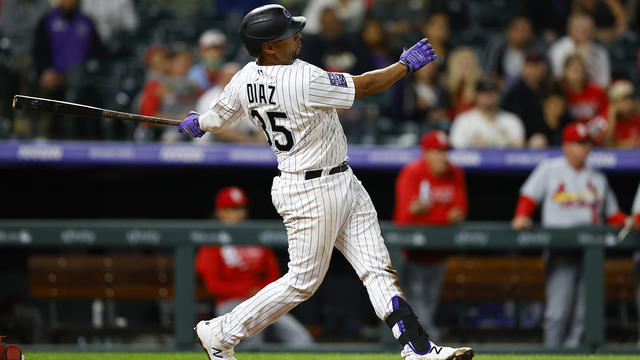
{"points": [[635, 212], [569, 198]]}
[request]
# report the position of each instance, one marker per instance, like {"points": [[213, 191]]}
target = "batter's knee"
{"points": [[302, 288]]}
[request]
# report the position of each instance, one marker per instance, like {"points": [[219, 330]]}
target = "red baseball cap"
{"points": [[575, 132], [230, 197], [435, 140]]}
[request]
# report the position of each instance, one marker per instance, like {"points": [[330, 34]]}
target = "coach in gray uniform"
{"points": [[571, 194], [634, 220]]}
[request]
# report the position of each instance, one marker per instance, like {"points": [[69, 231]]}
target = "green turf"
{"points": [[278, 356]]}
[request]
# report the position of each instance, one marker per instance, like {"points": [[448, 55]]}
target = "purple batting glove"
{"points": [[190, 126], [418, 55]]}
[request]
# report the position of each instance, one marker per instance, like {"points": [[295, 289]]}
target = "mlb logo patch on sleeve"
{"points": [[337, 79]]}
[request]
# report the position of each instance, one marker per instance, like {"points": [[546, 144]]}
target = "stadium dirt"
{"points": [[298, 356]]}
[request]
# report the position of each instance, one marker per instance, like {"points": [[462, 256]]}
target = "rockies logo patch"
{"points": [[337, 79]]}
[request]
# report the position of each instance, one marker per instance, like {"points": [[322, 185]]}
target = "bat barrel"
{"points": [[21, 102]]}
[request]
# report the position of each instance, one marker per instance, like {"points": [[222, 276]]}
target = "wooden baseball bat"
{"points": [[21, 102]]}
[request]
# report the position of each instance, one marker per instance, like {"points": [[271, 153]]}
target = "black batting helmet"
{"points": [[266, 24]]}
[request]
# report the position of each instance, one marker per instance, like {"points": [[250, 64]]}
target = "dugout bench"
{"points": [[184, 236], [116, 277]]}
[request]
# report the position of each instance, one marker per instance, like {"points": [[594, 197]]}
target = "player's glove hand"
{"points": [[418, 55], [190, 126]]}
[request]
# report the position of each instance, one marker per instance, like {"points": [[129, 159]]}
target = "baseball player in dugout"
{"points": [[429, 191], [570, 194], [634, 222], [235, 273], [322, 203]]}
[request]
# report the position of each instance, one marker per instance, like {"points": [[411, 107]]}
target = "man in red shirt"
{"points": [[235, 273], [429, 191]]}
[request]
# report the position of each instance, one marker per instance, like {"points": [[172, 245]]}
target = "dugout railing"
{"points": [[184, 236]]}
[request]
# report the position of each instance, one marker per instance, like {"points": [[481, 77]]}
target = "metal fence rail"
{"points": [[184, 236]]}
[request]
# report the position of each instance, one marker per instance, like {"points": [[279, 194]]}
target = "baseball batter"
{"points": [[571, 195], [322, 203]]}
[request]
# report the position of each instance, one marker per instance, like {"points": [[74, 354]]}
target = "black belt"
{"points": [[312, 174]]}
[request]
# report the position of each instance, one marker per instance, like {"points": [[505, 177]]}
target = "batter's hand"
{"points": [[418, 55], [521, 223], [190, 126]]}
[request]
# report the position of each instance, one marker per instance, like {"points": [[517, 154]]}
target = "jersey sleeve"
{"points": [[224, 110], [635, 208], [461, 192], [610, 201], [535, 186], [328, 89]]}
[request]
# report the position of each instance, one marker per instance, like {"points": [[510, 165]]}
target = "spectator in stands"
{"points": [[424, 100], [436, 29], [171, 96], [430, 191], [579, 39], [184, 9], [463, 73], [505, 54], [212, 46], [333, 49], [486, 125], [235, 273], [571, 195], [525, 97], [111, 16], [458, 11], [64, 40], [242, 130], [622, 116], [157, 62], [549, 17], [18, 22], [400, 18], [238, 8], [376, 45], [609, 17], [349, 12], [585, 98], [555, 116]]}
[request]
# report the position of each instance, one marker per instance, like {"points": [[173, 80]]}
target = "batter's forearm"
{"points": [[376, 81]]}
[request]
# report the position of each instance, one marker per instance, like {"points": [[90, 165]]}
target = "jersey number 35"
{"points": [[273, 115]]}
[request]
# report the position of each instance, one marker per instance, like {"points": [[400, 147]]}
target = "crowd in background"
{"points": [[508, 74]]}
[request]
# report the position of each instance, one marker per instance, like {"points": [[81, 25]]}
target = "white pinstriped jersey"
{"points": [[295, 105], [570, 197]]}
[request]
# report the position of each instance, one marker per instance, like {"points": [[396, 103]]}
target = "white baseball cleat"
{"points": [[210, 344], [438, 353]]}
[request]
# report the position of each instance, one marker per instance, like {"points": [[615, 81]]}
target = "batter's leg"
{"points": [[312, 212], [361, 242], [289, 331], [562, 273], [252, 342]]}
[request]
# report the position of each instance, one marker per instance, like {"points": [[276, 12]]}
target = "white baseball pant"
{"points": [[332, 210]]}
